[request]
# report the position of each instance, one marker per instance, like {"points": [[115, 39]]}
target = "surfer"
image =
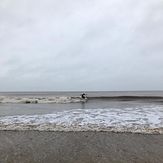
{"points": [[83, 96]]}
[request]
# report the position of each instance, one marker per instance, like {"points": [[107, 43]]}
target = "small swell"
{"points": [[71, 99], [128, 98]]}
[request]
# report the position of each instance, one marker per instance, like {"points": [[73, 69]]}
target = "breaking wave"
{"points": [[41, 100]]}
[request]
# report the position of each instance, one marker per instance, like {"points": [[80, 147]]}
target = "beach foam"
{"points": [[137, 120]]}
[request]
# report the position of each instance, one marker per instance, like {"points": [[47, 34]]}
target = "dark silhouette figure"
{"points": [[83, 96]]}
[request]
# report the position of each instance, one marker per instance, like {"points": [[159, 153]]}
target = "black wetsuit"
{"points": [[83, 96]]}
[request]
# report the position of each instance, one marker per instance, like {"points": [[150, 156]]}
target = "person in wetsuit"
{"points": [[83, 96]]}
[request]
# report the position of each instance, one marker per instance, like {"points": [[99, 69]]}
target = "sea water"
{"points": [[67, 111]]}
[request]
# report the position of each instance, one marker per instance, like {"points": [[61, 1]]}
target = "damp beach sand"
{"points": [[80, 147]]}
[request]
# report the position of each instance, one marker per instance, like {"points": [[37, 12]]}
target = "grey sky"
{"points": [[81, 45]]}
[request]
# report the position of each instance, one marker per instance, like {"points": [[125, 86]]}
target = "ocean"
{"points": [[133, 111]]}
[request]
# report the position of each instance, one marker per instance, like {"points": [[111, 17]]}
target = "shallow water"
{"points": [[140, 112], [100, 102]]}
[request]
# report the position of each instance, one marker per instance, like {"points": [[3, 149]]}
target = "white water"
{"points": [[39, 99], [137, 120]]}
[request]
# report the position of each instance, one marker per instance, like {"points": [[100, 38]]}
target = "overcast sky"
{"points": [[81, 45]]}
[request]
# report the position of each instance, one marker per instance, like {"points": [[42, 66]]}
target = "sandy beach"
{"points": [[79, 147]]}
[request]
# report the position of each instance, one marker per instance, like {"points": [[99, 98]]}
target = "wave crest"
{"points": [[41, 100]]}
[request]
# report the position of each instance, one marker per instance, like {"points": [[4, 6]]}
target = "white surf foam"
{"points": [[41, 100], [139, 120]]}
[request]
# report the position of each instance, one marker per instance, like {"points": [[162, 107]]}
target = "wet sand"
{"points": [[79, 147]]}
